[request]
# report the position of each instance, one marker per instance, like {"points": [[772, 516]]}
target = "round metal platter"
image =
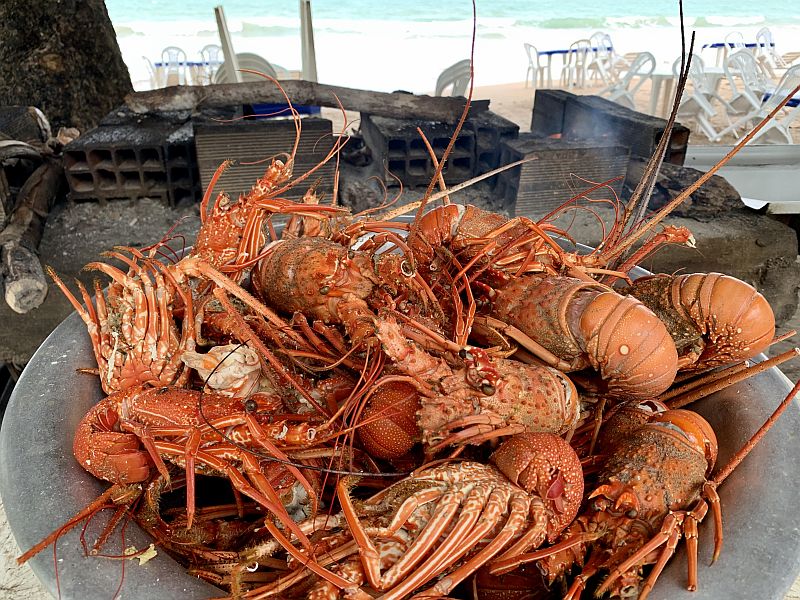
{"points": [[43, 486]]}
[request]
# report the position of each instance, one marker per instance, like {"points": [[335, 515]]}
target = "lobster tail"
{"points": [[588, 324], [630, 347], [714, 319]]}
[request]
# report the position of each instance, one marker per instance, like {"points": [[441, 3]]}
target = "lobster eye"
{"points": [[462, 354], [406, 269], [324, 289], [250, 405], [487, 389], [631, 514]]}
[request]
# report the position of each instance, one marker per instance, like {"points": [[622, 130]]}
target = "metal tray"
{"points": [[42, 486]]}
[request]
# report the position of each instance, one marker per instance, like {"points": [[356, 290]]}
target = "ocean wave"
{"points": [[256, 30], [124, 31], [568, 23]]}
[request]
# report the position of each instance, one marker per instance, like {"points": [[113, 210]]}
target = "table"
{"points": [[197, 72], [562, 52], [723, 47], [661, 75]]}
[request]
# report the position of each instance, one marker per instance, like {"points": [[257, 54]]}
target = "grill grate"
{"points": [[257, 141], [559, 170]]}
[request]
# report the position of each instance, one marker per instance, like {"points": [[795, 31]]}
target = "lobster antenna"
{"points": [[640, 198], [723, 473], [464, 114]]}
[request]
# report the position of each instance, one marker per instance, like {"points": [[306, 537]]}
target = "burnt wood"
{"points": [[395, 104]]}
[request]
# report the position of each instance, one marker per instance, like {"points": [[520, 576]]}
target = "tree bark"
{"points": [[62, 57]]}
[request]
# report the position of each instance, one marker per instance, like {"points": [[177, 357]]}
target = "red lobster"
{"points": [[653, 489], [446, 519]]}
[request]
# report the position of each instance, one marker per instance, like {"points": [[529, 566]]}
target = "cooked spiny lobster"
{"points": [[482, 400], [652, 490], [321, 279], [448, 519], [714, 319], [134, 331], [128, 433], [575, 324]]}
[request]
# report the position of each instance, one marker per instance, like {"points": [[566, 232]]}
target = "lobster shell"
{"points": [[589, 324], [721, 318]]}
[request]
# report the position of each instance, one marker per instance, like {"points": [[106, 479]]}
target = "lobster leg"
{"points": [[460, 540], [672, 522], [514, 523], [663, 557]]}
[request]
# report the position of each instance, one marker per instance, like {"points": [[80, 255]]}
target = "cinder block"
{"points": [[397, 145], [593, 117], [549, 106], [558, 170], [120, 159]]}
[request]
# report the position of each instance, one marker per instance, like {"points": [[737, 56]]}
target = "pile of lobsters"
{"points": [[362, 405]]}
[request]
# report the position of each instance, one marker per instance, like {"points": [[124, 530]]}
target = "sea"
{"points": [[404, 45]]}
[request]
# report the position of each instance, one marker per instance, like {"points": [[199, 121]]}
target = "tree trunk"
{"points": [[63, 58]]}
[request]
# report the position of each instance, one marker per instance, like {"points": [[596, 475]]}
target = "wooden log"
{"points": [[25, 283], [5, 199], [396, 104]]}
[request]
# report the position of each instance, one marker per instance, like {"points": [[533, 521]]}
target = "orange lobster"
{"points": [[653, 489], [134, 331], [438, 520], [128, 433]]}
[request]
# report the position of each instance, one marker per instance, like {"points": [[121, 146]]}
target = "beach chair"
{"points": [[212, 59], [573, 74], [624, 92], [766, 53], [154, 74], [456, 77], [252, 62], [696, 104], [536, 71], [604, 63], [777, 130], [748, 80], [173, 61]]}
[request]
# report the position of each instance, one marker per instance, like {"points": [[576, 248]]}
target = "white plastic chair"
{"points": [[766, 53], [696, 105], [173, 61], [748, 80], [575, 62], [154, 74], [777, 130], [536, 71], [212, 59], [624, 91], [456, 77], [253, 62], [604, 64]]}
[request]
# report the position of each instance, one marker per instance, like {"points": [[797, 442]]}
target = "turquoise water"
{"points": [[538, 13]]}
